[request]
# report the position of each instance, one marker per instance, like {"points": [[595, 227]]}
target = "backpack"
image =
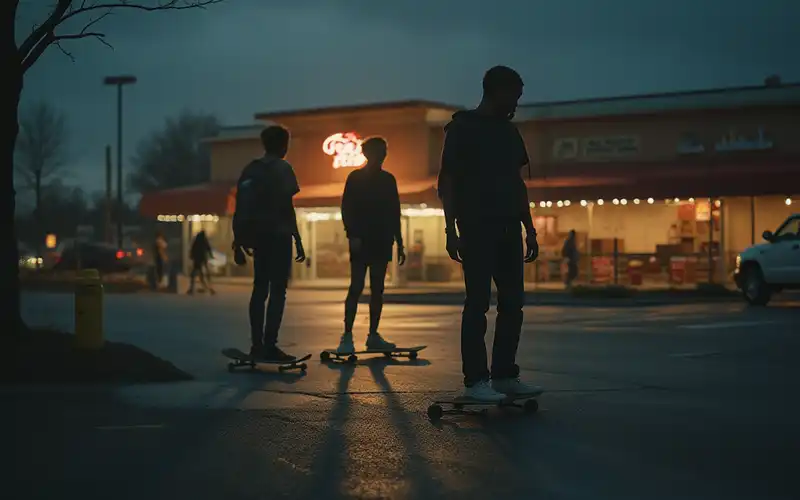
{"points": [[256, 210]]}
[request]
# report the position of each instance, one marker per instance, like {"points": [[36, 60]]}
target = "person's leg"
{"points": [[508, 273], [358, 274], [377, 278], [192, 275], [280, 264], [476, 252], [258, 298]]}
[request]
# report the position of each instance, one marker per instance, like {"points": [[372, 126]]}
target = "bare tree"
{"points": [[41, 150], [54, 30]]}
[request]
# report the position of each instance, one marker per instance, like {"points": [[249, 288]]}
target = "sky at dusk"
{"points": [[244, 56]]}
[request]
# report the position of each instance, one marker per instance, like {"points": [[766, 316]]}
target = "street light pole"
{"points": [[119, 82]]}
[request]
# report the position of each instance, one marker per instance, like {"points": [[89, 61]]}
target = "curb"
{"points": [[535, 299]]}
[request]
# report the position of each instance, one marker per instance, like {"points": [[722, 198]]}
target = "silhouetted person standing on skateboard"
{"points": [[263, 226], [485, 199], [371, 217]]}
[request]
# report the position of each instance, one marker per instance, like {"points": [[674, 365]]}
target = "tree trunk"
{"points": [[9, 106], [38, 216]]}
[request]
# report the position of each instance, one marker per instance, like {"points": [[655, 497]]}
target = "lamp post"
{"points": [[119, 82]]}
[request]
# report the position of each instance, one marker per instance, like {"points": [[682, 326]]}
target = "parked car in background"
{"points": [[770, 267], [73, 255], [28, 258]]}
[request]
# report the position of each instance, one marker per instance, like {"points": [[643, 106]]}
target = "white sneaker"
{"points": [[377, 343], [346, 344], [514, 387], [482, 391]]}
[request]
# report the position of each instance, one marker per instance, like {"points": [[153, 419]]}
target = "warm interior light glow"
{"points": [[718, 203], [190, 218], [345, 149], [50, 241]]}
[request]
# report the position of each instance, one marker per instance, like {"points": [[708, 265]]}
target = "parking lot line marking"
{"points": [[731, 324]]}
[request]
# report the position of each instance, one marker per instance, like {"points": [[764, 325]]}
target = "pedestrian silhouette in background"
{"points": [[485, 199], [160, 257], [371, 217], [200, 253], [570, 253], [263, 225]]}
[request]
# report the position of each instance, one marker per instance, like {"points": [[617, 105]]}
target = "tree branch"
{"points": [[161, 5], [43, 36]]}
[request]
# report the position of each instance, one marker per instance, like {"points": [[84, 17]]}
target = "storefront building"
{"points": [[661, 188]]}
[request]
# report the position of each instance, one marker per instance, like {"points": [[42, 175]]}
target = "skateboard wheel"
{"points": [[231, 366], [434, 412], [412, 355], [530, 406], [352, 358], [325, 356]]}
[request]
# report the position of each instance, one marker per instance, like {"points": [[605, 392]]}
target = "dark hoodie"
{"points": [[483, 155]]}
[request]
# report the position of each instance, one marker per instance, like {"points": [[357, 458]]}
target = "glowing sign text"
{"points": [[345, 149]]}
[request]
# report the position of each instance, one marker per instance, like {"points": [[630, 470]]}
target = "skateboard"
{"points": [[410, 352], [243, 359], [527, 402]]}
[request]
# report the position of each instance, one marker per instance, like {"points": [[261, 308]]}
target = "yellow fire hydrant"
{"points": [[89, 310]]}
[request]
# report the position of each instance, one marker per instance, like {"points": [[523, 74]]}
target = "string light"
{"points": [[615, 201], [691, 200], [636, 201], [623, 201], [549, 204], [788, 201], [677, 200], [584, 203], [600, 201], [560, 203], [567, 203], [650, 201], [542, 204]]}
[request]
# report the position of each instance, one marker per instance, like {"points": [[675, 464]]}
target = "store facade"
{"points": [[646, 182]]}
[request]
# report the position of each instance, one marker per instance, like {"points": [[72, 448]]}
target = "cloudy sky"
{"points": [[245, 56]]}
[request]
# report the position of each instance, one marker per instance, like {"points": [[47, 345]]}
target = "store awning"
{"points": [[210, 198], [710, 179], [330, 195]]}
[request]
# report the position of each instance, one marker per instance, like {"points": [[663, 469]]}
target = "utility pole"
{"points": [[119, 82], [109, 237]]}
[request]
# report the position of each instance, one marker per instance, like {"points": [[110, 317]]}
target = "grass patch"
{"points": [[48, 356]]}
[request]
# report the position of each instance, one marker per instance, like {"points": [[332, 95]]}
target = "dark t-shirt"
{"points": [[275, 176], [371, 206], [483, 157]]}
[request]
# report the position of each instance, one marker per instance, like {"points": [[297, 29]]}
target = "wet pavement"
{"points": [[686, 401]]}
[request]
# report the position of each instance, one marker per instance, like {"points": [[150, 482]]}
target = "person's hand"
{"points": [[401, 255], [532, 247], [453, 246], [299, 250], [355, 245]]}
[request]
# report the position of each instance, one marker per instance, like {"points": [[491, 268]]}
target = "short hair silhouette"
{"points": [[500, 77], [374, 148], [275, 139]]}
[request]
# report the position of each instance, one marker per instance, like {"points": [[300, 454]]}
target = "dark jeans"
{"points": [[272, 263], [358, 274], [159, 271], [491, 251], [572, 271]]}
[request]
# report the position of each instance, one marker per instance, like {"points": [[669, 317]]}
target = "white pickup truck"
{"points": [[770, 267]]}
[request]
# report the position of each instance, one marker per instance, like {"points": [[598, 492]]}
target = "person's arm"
{"points": [[348, 210], [396, 213], [292, 188], [525, 210], [446, 183]]}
